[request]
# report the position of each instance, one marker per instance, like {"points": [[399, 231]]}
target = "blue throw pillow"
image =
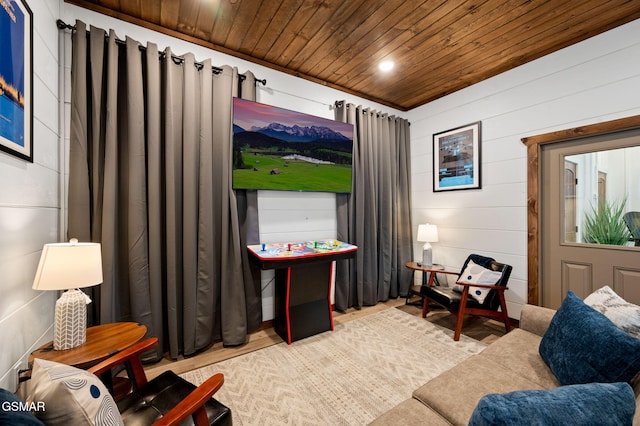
{"points": [[581, 345], [597, 404]]}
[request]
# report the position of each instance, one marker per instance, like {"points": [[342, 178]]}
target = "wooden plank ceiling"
{"points": [[438, 46]]}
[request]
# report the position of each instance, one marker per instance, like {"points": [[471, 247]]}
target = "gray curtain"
{"points": [[150, 179], [376, 216]]}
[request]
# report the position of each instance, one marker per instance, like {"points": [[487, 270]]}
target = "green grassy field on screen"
{"points": [[294, 174]]}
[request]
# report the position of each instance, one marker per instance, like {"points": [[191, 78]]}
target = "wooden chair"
{"points": [[632, 220], [460, 303], [167, 399]]}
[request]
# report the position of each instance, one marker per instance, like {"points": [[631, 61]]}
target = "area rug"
{"points": [[345, 377]]}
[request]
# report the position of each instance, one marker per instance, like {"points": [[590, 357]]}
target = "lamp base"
{"points": [[427, 255], [70, 327]]}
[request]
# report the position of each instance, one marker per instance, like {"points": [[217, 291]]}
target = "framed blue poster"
{"points": [[16, 79], [456, 158]]}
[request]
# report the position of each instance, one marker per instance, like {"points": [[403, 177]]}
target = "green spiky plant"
{"points": [[604, 224]]}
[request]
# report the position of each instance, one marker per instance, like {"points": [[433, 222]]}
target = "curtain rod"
{"points": [[339, 104], [177, 59]]}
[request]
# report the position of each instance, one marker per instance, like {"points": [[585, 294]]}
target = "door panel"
{"points": [[626, 283], [580, 267], [576, 277]]}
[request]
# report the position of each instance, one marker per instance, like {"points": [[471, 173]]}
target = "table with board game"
{"points": [[303, 283]]}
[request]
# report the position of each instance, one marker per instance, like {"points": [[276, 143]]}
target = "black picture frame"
{"points": [[457, 158], [16, 79]]}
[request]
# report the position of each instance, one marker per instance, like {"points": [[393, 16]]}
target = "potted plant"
{"points": [[604, 224]]}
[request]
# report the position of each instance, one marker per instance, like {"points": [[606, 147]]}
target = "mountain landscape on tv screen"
{"points": [[296, 133], [290, 156], [319, 143]]}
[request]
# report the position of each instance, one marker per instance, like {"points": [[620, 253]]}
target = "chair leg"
{"points": [[458, 330], [463, 304], [503, 308], [425, 306]]}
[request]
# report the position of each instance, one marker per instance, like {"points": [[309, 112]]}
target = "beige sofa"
{"points": [[511, 363]]}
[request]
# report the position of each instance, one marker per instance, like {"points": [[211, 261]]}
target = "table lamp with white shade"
{"points": [[427, 234], [69, 266]]}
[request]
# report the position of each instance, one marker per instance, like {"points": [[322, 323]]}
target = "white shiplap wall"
{"points": [[594, 81], [30, 208]]}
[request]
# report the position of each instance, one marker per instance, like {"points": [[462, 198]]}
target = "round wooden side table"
{"points": [[428, 277], [102, 342]]}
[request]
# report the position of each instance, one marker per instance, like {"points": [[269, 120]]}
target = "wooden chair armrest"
{"points": [[131, 357], [193, 403], [495, 287]]}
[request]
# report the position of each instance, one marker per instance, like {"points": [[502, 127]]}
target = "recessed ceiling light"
{"points": [[386, 66]]}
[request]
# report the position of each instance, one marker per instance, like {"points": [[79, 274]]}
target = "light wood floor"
{"points": [[482, 329]]}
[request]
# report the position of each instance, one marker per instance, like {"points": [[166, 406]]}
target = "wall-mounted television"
{"points": [[279, 149]]}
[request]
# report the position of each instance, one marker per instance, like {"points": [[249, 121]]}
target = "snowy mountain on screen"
{"points": [[297, 133]]}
